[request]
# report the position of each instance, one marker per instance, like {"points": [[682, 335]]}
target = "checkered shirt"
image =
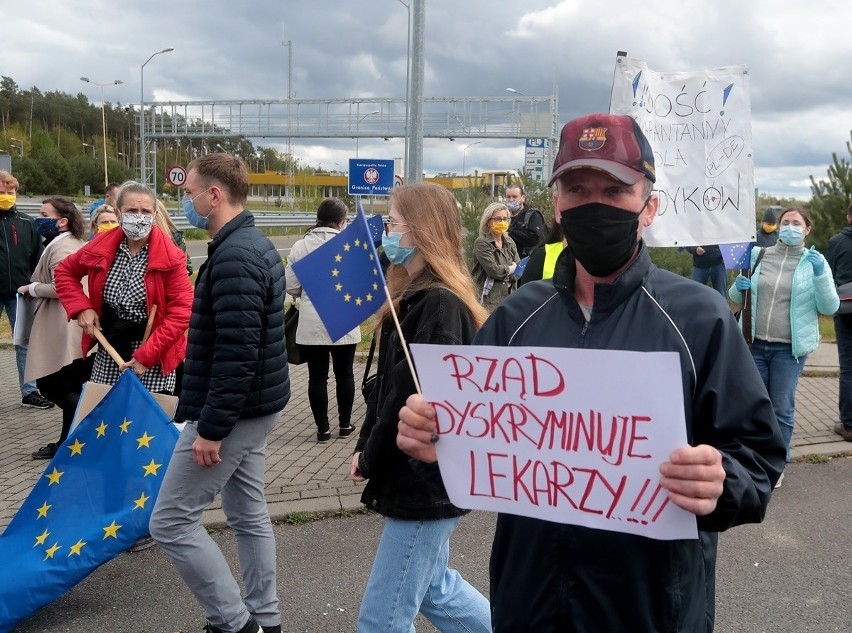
{"points": [[125, 292]]}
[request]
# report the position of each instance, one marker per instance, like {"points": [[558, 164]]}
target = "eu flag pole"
{"points": [[93, 501], [345, 282]]}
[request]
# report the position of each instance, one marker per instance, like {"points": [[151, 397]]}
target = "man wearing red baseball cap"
{"points": [[607, 294]]}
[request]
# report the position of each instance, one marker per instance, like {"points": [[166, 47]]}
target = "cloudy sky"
{"points": [[799, 54]]}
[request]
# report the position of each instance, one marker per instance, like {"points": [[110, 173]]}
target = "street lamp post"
{"points": [[357, 123], [93, 149], [142, 148], [103, 118], [517, 92], [407, 79], [21, 146]]}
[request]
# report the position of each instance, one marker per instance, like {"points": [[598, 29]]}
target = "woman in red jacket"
{"points": [[129, 272]]}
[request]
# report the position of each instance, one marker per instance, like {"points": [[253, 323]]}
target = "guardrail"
{"points": [[261, 218]]}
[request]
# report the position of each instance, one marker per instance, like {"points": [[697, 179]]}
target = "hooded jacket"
{"points": [[552, 577], [166, 286]]}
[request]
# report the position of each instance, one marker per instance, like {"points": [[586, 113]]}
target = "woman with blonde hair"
{"points": [[435, 300], [495, 256], [104, 219]]}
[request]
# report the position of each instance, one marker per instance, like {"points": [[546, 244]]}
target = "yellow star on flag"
{"points": [[54, 476], [338, 257], [338, 287], [347, 297], [41, 538], [346, 247], [76, 447], [369, 297], [101, 429], [335, 272], [111, 530], [42, 511], [76, 548], [357, 242], [151, 469], [140, 502], [50, 551], [125, 425], [144, 440], [358, 301], [375, 286]]}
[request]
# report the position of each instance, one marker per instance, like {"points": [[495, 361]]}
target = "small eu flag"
{"points": [[736, 256], [93, 501], [343, 278], [376, 229]]}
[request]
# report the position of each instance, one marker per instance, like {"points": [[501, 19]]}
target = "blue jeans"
{"points": [[843, 331], [11, 306], [410, 574], [176, 525], [717, 275], [780, 373]]}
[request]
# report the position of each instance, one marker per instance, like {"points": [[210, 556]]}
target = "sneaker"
{"points": [[250, 627], [142, 544], [778, 483], [323, 436], [346, 431], [46, 452], [35, 400], [843, 432]]}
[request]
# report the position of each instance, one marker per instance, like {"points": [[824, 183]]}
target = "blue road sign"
{"points": [[370, 177]]}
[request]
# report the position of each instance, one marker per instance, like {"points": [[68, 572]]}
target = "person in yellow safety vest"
{"points": [[542, 259]]}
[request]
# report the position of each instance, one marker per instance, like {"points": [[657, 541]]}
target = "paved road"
{"points": [[788, 575], [793, 573]]}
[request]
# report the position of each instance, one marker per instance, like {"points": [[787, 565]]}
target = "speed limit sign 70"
{"points": [[176, 175]]}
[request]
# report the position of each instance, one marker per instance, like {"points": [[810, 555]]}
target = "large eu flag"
{"points": [[93, 501], [343, 278]]}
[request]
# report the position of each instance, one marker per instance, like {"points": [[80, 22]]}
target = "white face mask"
{"points": [[137, 226]]}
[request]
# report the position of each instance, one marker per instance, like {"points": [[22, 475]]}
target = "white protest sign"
{"points": [[699, 126], [567, 435]]}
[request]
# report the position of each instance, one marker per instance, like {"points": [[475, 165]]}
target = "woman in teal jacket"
{"points": [[790, 287]]}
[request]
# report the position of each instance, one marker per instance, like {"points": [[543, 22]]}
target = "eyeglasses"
{"points": [[496, 219], [389, 223]]}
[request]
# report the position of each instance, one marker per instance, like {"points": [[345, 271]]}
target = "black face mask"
{"points": [[601, 237]]}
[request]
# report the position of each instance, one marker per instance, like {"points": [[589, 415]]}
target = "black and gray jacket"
{"points": [[551, 577], [236, 358], [20, 249]]}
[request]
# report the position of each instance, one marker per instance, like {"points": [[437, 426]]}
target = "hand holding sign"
{"points": [[567, 435]]}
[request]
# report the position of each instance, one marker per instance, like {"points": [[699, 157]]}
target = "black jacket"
{"points": [[20, 249], [839, 256], [394, 488], [712, 256], [527, 229], [236, 358], [551, 577]]}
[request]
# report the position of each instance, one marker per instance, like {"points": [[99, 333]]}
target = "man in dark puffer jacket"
{"points": [[235, 385]]}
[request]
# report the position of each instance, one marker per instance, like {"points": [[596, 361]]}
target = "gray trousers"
{"points": [[176, 525]]}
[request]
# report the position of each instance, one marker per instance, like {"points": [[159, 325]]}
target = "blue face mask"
{"points": [[192, 216], [791, 235], [396, 254], [189, 212], [46, 227]]}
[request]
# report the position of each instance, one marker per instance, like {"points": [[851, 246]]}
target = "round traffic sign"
{"points": [[176, 175]]}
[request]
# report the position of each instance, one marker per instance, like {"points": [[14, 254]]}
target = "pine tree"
{"points": [[831, 199]]}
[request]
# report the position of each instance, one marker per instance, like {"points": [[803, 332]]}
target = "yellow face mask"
{"points": [[769, 228], [7, 201], [107, 226], [498, 227]]}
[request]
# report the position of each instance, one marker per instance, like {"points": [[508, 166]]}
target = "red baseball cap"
{"points": [[613, 143]]}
